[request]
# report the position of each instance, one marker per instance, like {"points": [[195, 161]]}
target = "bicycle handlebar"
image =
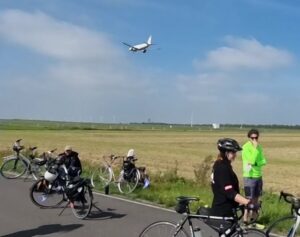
{"points": [[290, 198], [52, 151]]}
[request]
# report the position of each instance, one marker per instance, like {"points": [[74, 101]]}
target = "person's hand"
{"points": [[253, 206], [255, 143], [249, 167]]}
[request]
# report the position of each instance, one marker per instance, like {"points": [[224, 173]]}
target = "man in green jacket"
{"points": [[253, 161]]}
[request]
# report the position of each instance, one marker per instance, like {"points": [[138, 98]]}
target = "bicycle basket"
{"points": [[181, 206]]}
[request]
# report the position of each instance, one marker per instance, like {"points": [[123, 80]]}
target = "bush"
{"points": [[202, 171]]}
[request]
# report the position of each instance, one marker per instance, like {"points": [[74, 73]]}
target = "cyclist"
{"points": [[71, 160], [253, 161], [224, 182]]}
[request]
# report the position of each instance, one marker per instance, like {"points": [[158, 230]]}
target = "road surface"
{"points": [[110, 217]]}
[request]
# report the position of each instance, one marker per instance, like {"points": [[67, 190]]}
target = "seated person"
{"points": [[144, 176], [71, 160]]}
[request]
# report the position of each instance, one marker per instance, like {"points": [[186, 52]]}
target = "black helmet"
{"points": [[228, 144]]}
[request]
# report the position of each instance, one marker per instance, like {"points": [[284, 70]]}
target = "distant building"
{"points": [[216, 126]]}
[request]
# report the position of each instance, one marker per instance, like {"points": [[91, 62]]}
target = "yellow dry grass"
{"points": [[158, 150]]}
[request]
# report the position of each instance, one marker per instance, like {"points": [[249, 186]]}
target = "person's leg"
{"points": [[249, 188]]}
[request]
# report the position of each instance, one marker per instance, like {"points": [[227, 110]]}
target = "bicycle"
{"points": [[127, 180], [291, 222], [15, 166], [58, 187], [225, 226]]}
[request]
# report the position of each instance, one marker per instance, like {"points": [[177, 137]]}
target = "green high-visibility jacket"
{"points": [[254, 157]]}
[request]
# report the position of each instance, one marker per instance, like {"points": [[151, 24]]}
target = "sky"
{"points": [[234, 61]]}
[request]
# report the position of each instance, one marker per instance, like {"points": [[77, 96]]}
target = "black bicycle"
{"points": [[225, 226], [57, 187], [288, 225]]}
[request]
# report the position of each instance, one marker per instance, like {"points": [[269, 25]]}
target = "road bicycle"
{"points": [[57, 187], [288, 225], [18, 164], [224, 226], [127, 180]]}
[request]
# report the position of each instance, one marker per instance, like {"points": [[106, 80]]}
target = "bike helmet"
{"points": [[228, 144], [50, 176]]}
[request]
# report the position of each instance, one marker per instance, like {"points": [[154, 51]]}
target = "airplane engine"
{"points": [[144, 51]]}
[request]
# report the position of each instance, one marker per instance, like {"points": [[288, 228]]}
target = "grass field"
{"points": [[159, 149]]}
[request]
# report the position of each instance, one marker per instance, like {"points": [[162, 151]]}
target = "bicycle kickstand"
{"points": [[68, 203]]}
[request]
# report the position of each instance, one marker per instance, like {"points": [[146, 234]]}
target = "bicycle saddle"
{"points": [[39, 161]]}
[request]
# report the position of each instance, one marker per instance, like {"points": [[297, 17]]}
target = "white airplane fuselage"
{"points": [[137, 47], [140, 47]]}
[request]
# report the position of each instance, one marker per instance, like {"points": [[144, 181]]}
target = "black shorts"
{"points": [[253, 187]]}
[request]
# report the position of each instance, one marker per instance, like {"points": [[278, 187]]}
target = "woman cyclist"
{"points": [[224, 182]]}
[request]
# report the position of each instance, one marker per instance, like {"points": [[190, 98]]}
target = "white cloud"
{"points": [[54, 38], [240, 53], [88, 74], [232, 83]]}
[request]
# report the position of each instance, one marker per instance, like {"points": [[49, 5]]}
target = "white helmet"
{"points": [[49, 176], [131, 153]]}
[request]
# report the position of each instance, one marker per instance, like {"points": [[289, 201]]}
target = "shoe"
{"points": [[258, 226]]}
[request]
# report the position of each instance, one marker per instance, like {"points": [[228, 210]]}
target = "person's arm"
{"points": [[261, 161], [223, 177], [249, 154], [241, 200]]}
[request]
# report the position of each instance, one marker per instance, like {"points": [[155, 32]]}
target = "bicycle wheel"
{"points": [[283, 226], [82, 205], [163, 229], [101, 177], [45, 195], [249, 232], [127, 185], [13, 168]]}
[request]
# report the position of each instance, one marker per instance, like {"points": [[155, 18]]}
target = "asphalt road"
{"points": [[110, 217]]}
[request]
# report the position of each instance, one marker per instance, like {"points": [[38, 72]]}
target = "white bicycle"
{"points": [[127, 180], [289, 225], [18, 164]]}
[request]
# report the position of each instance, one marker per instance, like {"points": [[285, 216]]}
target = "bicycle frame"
{"points": [[188, 218], [295, 227]]}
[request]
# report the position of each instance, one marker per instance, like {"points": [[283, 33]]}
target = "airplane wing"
{"points": [[131, 46], [128, 44]]}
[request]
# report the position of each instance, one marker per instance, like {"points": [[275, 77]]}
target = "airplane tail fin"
{"points": [[149, 41]]}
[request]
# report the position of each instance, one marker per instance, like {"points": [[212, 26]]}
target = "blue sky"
{"points": [[234, 61]]}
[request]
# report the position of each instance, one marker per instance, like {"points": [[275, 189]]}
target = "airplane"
{"points": [[140, 47]]}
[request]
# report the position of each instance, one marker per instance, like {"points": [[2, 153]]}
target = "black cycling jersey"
{"points": [[225, 186]]}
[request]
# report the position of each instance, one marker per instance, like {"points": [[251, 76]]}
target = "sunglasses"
{"points": [[254, 138]]}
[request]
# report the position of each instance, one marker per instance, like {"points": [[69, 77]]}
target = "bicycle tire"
{"points": [[163, 229], [13, 168], [42, 196], [249, 232], [82, 208], [102, 177], [283, 226], [128, 186]]}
